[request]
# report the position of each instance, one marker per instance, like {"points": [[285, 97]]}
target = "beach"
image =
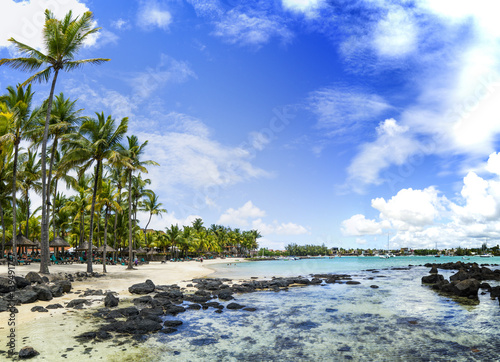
{"points": [[33, 328]]}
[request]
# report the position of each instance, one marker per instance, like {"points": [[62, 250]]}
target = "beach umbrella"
{"points": [[57, 243], [140, 251], [84, 247], [109, 249]]}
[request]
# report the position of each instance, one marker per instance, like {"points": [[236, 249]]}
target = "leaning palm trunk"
{"points": [[105, 240], [49, 179], [27, 200], [130, 220], [54, 209], [45, 252], [3, 229], [92, 208], [14, 219]]}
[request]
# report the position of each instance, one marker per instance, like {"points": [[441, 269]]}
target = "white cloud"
{"points": [[358, 225], [277, 228], [189, 157], [250, 215], [420, 218], [169, 70], [26, 19], [166, 220], [396, 34], [120, 24], [411, 209], [151, 15], [240, 217], [342, 109], [394, 144], [308, 7], [251, 28]]}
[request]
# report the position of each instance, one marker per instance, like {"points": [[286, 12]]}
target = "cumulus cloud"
{"points": [[251, 28], [396, 34], [420, 218], [358, 225], [240, 217], [151, 15], [26, 19], [250, 215]]}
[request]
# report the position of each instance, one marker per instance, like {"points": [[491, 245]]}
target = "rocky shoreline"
{"points": [[466, 283]]}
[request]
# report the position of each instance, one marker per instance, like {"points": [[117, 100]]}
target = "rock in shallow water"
{"points": [[27, 352]]}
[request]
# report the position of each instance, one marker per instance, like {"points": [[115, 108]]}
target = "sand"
{"points": [[117, 279]]}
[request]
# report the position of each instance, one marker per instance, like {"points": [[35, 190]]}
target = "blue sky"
{"points": [[344, 123]]}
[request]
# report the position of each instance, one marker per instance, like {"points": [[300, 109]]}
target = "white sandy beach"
{"points": [[117, 279]]}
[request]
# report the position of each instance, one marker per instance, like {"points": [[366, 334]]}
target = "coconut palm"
{"points": [[29, 179], [152, 206], [118, 178], [173, 236], [17, 103], [96, 142], [133, 151], [62, 39], [106, 200]]}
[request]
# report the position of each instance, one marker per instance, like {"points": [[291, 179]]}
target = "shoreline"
{"points": [[117, 279]]}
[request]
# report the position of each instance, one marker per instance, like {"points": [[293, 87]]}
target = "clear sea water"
{"points": [[402, 320]]}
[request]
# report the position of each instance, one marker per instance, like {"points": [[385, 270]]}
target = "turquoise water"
{"points": [[401, 320]]}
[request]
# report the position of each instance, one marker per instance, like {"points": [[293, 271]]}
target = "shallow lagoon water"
{"points": [[399, 321]]}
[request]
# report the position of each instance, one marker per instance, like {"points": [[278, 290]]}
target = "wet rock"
{"points": [[134, 326], [127, 312], [432, 279], [5, 286], [168, 330], [103, 335], [225, 295], [21, 282], [142, 288], [33, 277], [467, 288], [194, 306], [87, 336], [77, 303], [27, 352], [344, 349], [352, 282], [433, 269], [26, 296], [56, 290], [43, 292], [110, 301], [174, 310], [235, 306], [90, 292], [374, 286], [460, 275], [203, 341], [39, 308], [250, 309], [54, 306], [172, 323], [495, 292]]}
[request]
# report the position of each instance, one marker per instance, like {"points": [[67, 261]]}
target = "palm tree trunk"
{"points": [[14, 191], [49, 179], [105, 240], [3, 229], [27, 199], [92, 208], [54, 209], [130, 220], [44, 260]]}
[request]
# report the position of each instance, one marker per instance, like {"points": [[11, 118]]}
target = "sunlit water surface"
{"points": [[401, 320]]}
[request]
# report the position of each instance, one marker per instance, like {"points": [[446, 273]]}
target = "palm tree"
{"points": [[173, 236], [22, 119], [107, 200], [5, 187], [29, 179], [78, 203], [63, 39], [152, 206], [133, 151], [118, 178], [97, 140]]}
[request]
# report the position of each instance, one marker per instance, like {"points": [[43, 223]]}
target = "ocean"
{"points": [[401, 320]]}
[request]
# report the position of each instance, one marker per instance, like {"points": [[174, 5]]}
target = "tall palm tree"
{"points": [[29, 179], [173, 236], [97, 141], [5, 187], [63, 39], [18, 102], [133, 151], [152, 206], [118, 178], [107, 199], [78, 203]]}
